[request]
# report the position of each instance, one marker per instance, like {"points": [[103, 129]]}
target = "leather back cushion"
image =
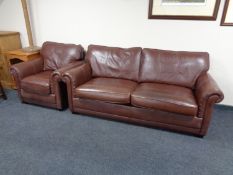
{"points": [[114, 62], [173, 67], [57, 55]]}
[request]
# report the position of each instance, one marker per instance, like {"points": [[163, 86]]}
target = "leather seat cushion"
{"points": [[107, 89], [37, 83], [165, 97]]}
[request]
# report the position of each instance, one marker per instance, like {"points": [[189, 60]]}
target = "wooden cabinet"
{"points": [[18, 56], [8, 41]]}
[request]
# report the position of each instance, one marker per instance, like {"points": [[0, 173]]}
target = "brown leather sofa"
{"points": [[166, 89], [39, 81]]}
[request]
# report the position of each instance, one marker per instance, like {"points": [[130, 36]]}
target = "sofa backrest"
{"points": [[114, 62], [57, 55], [173, 67]]}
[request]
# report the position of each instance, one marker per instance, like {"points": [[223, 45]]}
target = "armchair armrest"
{"points": [[56, 76], [59, 72], [207, 92], [25, 69], [78, 75]]}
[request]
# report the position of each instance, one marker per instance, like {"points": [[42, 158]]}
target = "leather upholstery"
{"points": [[75, 77], [24, 69], [130, 114], [114, 62], [165, 97], [172, 91], [37, 83], [43, 87], [57, 55], [69, 66], [205, 88], [79, 75], [107, 89], [49, 100], [173, 67]]}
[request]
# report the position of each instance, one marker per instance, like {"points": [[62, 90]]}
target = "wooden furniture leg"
{"points": [[2, 92]]}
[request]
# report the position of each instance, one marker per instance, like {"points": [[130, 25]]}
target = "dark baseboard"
{"points": [[224, 107]]}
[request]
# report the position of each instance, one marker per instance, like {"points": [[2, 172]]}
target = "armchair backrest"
{"points": [[114, 62], [173, 67], [57, 55]]}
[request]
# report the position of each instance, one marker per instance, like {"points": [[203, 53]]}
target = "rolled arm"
{"points": [[78, 75], [25, 69], [59, 72], [56, 76], [207, 90], [75, 77]]}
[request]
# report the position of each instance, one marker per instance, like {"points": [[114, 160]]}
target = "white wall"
{"points": [[124, 23]]}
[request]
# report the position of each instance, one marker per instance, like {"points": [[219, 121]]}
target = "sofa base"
{"points": [[46, 101], [141, 116], [38, 103]]}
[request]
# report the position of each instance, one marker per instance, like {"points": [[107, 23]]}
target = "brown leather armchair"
{"points": [[166, 89], [39, 81]]}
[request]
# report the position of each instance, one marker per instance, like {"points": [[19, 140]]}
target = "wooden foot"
{"points": [[2, 92]]}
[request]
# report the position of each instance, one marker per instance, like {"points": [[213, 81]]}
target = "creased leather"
{"points": [[57, 55], [114, 62], [172, 67]]}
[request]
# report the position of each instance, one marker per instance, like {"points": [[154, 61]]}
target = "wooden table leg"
{"points": [[2, 92]]}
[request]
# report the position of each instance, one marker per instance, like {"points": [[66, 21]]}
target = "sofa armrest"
{"points": [[207, 91], [75, 77], [207, 94], [78, 75], [56, 77], [59, 72]]}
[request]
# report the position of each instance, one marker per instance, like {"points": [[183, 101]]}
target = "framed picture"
{"points": [[184, 9], [227, 17]]}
